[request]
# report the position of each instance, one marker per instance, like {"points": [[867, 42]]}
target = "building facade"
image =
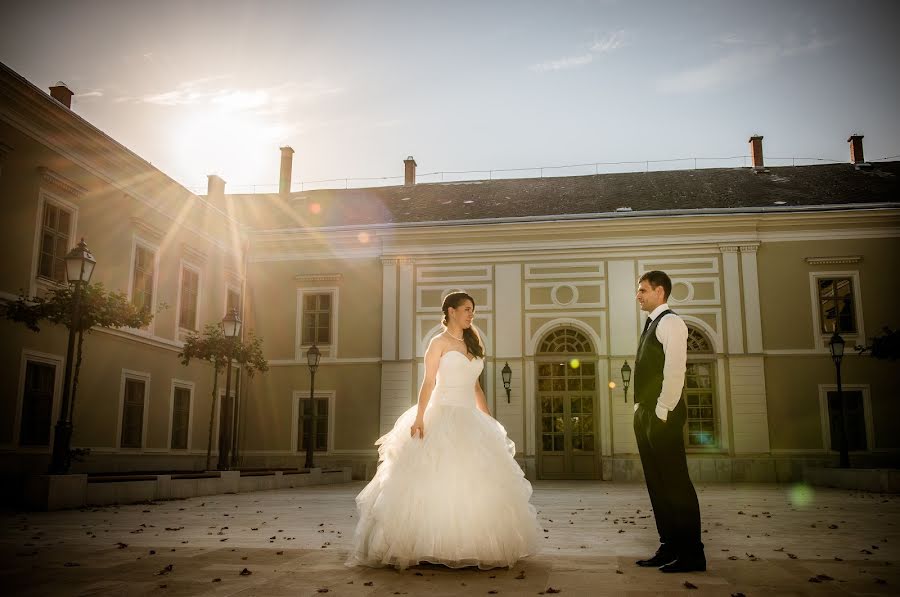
{"points": [[766, 262]]}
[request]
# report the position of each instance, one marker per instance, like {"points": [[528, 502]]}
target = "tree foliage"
{"points": [[211, 345], [883, 346], [97, 307]]}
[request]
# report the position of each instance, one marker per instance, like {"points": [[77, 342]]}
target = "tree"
{"points": [[97, 308], [883, 346], [211, 345]]}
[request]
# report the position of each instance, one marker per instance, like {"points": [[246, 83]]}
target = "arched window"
{"points": [[700, 391], [698, 342], [565, 340]]}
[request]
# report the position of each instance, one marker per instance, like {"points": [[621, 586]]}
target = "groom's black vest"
{"points": [[649, 364]]}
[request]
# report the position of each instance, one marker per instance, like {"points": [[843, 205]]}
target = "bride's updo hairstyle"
{"points": [[470, 336]]}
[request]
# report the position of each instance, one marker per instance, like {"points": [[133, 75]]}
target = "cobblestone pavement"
{"points": [[760, 540]]}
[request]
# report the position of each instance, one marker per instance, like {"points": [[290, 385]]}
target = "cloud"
{"points": [[752, 59], [608, 43], [208, 92], [563, 63], [94, 93]]}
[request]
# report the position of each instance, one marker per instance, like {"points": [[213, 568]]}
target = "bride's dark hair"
{"points": [[470, 336]]}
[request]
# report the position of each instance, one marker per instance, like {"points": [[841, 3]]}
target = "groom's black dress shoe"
{"points": [[695, 564], [657, 560]]}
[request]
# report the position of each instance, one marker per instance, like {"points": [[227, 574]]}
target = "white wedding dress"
{"points": [[456, 497]]}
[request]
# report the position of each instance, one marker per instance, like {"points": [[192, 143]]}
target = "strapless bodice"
{"points": [[455, 383]]}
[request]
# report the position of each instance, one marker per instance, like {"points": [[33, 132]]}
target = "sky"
{"points": [[203, 87]]}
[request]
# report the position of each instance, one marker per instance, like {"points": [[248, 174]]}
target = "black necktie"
{"points": [[646, 325]]}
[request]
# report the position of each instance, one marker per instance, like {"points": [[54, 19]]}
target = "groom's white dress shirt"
{"points": [[672, 333]]}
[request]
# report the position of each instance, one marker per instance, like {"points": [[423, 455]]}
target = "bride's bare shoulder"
{"points": [[438, 343]]}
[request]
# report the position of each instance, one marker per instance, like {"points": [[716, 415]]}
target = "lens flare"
{"points": [[315, 208], [612, 385], [574, 363], [363, 237], [801, 495]]}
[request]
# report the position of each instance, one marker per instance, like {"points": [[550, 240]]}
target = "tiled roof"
{"points": [[545, 198]]}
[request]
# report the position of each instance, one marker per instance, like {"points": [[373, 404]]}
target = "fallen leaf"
{"points": [[245, 572], [689, 585], [551, 590], [520, 575], [165, 570], [217, 580]]}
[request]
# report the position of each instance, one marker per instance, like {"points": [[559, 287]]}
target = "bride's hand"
{"points": [[418, 426]]}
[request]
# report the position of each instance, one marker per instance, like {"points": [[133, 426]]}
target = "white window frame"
{"points": [[180, 332], [867, 414], [140, 376], [188, 385], [45, 197], [821, 339], [299, 395], [329, 351], [136, 242], [49, 359]]}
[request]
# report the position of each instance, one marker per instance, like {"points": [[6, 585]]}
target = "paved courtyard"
{"points": [[760, 539]]}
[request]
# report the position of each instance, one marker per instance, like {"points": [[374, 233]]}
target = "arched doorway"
{"points": [[568, 441]]}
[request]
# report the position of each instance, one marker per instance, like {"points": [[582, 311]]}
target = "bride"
{"points": [[447, 490]]}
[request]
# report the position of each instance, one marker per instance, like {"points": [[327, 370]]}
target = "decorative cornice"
{"points": [[833, 260], [749, 248], [146, 229], [397, 260], [319, 277], [61, 182], [193, 253], [728, 248]]}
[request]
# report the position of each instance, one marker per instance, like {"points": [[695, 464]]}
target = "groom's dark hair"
{"points": [[656, 279]]}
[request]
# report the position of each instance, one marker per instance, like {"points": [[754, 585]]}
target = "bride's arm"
{"points": [[480, 400], [432, 361]]}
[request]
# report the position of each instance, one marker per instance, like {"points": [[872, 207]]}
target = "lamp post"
{"points": [[836, 344], [312, 359], [231, 327], [626, 378], [506, 373], [79, 267]]}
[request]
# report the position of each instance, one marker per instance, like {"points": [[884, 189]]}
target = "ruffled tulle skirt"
{"points": [[456, 497]]}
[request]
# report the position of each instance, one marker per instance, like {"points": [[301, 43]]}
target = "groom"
{"points": [[659, 418]]}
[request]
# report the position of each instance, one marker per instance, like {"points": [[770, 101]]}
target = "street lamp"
{"points": [[506, 373], [231, 327], [626, 378], [836, 344], [79, 267], [313, 355]]}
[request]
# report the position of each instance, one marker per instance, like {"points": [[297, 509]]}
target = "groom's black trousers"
{"points": [[672, 495]]}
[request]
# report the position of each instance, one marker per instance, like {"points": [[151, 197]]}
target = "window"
{"points": [[133, 413], [317, 318], [181, 417], [37, 404], [314, 412], [699, 392], [142, 283], [856, 420], [190, 291], [836, 308], [55, 230], [233, 300]]}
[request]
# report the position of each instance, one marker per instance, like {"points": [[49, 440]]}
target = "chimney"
{"points": [[409, 171], [61, 93], [215, 188], [856, 149], [287, 164], [756, 153]]}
